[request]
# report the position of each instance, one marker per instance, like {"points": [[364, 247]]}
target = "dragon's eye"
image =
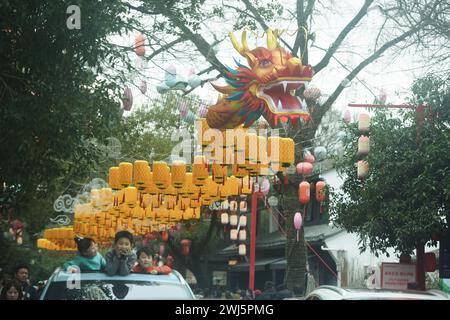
{"points": [[265, 63]]}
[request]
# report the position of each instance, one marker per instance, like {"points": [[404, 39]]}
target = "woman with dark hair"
{"points": [[12, 290], [89, 259]]}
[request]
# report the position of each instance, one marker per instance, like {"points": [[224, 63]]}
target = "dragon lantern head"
{"points": [[265, 88]]}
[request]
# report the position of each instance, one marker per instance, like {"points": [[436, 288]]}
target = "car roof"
{"points": [[333, 292], [173, 277]]}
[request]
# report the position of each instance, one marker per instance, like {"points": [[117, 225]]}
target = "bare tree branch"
{"points": [[349, 27], [302, 18], [317, 116]]}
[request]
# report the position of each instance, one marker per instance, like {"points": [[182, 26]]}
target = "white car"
{"points": [[336, 293], [100, 286]]}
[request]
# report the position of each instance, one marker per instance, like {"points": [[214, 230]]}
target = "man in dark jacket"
{"points": [[22, 273], [269, 292]]}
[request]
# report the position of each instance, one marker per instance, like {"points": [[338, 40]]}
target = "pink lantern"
{"points": [[233, 205], [304, 192], [127, 99], [304, 168], [308, 157], [139, 45], [364, 123], [242, 235], [347, 116], [242, 250], [233, 234], [363, 145], [298, 221], [243, 221], [224, 218], [243, 206]]}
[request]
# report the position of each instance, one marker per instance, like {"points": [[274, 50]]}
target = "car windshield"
{"points": [[118, 290]]}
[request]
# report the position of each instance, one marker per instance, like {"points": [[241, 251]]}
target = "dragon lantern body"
{"points": [[265, 88]]}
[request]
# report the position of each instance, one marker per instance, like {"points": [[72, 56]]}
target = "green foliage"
{"points": [[404, 201]]}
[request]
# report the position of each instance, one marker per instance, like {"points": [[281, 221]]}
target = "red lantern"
{"points": [[304, 168], [430, 262], [139, 45], [309, 158], [186, 246], [320, 191], [165, 236], [304, 192]]}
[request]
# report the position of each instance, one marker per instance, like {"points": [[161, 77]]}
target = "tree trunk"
{"points": [[295, 250], [420, 266]]}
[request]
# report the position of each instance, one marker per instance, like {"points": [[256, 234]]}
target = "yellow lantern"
{"points": [[251, 148], [199, 170], [107, 198], [178, 174], [150, 185], [150, 213], [141, 171], [161, 175], [95, 198], [114, 178], [232, 185], [287, 152], [219, 173], [125, 173], [131, 197], [246, 185], [273, 149]]}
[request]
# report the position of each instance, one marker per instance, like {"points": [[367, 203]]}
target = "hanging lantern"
{"points": [[186, 244], [287, 152], [140, 173], [114, 178], [131, 196], [264, 186], [304, 168], [161, 174], [347, 116], [363, 169], [233, 220], [232, 185], [363, 146], [194, 81], [139, 45], [164, 236], [233, 206], [242, 250], [125, 173], [199, 170], [320, 191], [233, 234], [243, 206], [304, 192], [273, 149], [308, 157], [242, 235], [364, 123], [178, 174], [127, 99], [242, 221], [224, 218], [298, 221]]}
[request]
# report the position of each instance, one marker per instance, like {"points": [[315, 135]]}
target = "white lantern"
{"points": [[233, 234], [364, 122], [363, 145], [242, 235], [243, 206], [320, 153], [233, 220], [224, 218], [233, 205], [363, 169], [243, 221], [242, 250], [225, 205]]}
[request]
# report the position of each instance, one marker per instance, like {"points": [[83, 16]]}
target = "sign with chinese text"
{"points": [[397, 275]]}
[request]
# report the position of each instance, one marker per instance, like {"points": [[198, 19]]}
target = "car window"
{"points": [[118, 290]]}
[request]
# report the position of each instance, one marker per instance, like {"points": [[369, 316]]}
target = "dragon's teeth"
{"points": [[284, 86], [280, 106]]}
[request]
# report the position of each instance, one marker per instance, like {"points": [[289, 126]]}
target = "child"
{"points": [[89, 259], [121, 258], [146, 263]]}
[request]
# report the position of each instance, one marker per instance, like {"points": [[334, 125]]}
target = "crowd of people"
{"points": [[270, 292], [19, 286]]}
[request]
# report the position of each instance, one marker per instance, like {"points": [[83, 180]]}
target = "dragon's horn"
{"points": [[236, 44], [271, 40]]}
